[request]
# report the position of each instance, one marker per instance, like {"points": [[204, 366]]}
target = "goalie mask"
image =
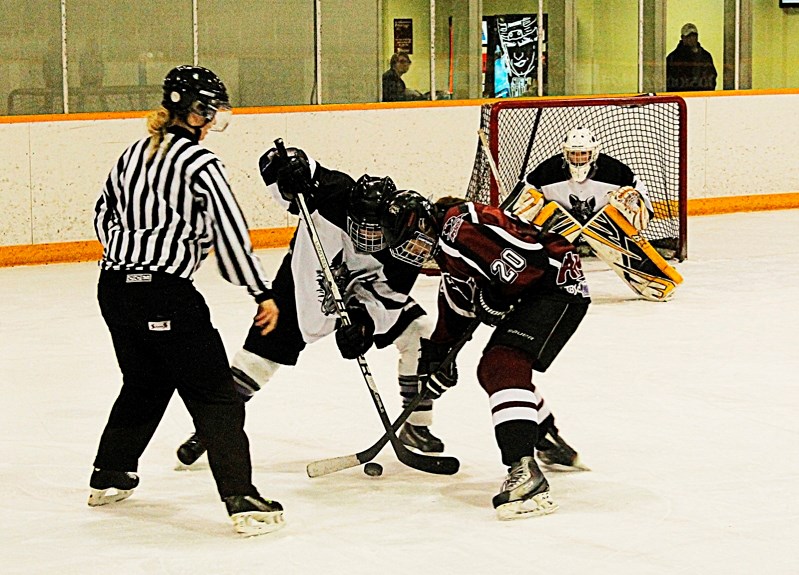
{"points": [[199, 90], [410, 227], [580, 151], [363, 214]]}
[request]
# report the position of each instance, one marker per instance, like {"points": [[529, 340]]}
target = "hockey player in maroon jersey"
{"points": [[526, 283]]}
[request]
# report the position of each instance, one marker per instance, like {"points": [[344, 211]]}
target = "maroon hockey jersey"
{"points": [[482, 246]]}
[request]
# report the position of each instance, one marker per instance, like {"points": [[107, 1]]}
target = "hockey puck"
{"points": [[373, 469]]}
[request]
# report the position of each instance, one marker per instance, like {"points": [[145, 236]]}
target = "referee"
{"points": [[165, 204]]}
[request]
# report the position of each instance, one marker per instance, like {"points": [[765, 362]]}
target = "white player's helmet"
{"points": [[580, 151]]}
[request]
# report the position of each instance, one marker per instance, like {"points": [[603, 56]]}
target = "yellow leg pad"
{"points": [[630, 255]]}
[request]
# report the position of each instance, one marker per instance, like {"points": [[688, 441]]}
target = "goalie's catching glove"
{"points": [[355, 339], [629, 202], [528, 204], [488, 308], [292, 174], [432, 375]]}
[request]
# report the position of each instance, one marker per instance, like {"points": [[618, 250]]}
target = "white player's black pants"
{"points": [[164, 341]]}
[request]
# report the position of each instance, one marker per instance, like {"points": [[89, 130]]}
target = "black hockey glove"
{"points": [[432, 375], [355, 339], [489, 309], [292, 175]]}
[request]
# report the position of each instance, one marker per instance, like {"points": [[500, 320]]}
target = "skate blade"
{"points": [[579, 465], [536, 506], [418, 451], [576, 464], [251, 523], [100, 497], [198, 465]]}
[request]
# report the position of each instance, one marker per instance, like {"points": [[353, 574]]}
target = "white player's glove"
{"points": [[631, 205], [528, 204]]}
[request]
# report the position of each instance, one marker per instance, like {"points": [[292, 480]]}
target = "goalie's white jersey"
{"points": [[583, 199]]}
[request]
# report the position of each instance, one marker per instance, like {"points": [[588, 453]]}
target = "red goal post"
{"points": [[647, 132]]}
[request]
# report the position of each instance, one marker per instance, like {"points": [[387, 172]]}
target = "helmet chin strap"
{"points": [[196, 130]]}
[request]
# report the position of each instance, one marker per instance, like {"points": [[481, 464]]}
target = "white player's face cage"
{"points": [[416, 250], [367, 238]]}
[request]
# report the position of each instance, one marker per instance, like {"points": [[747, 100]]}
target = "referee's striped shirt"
{"points": [[164, 214]]}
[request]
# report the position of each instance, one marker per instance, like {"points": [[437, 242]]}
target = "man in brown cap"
{"points": [[690, 67]]}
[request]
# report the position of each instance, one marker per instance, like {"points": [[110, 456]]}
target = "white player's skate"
{"points": [[420, 438], [111, 486], [189, 452], [525, 492]]}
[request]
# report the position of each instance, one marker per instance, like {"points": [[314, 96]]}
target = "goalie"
{"points": [[583, 193]]}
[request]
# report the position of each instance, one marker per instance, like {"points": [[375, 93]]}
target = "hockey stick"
{"points": [[431, 464], [333, 464], [493, 165]]}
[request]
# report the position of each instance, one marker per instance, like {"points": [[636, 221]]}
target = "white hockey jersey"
{"points": [[378, 282]]}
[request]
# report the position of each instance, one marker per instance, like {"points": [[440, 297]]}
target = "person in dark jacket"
{"points": [[394, 89], [690, 67]]}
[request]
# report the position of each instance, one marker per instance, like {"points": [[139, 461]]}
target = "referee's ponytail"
{"points": [[157, 123]]}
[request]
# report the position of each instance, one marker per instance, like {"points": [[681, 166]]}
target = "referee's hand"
{"points": [[266, 318]]}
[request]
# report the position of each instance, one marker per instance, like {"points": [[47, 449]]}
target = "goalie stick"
{"points": [[443, 465], [333, 464]]}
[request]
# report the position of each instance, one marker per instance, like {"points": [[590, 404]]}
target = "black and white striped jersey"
{"points": [[166, 212]]}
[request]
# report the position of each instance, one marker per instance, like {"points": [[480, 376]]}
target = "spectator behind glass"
{"points": [[394, 89], [690, 67]]}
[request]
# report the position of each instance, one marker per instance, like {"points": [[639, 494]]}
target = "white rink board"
{"points": [[737, 145]]}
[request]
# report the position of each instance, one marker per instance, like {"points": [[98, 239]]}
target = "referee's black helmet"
{"points": [[194, 89]]}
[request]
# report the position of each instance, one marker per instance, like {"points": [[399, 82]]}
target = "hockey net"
{"points": [[648, 133]]}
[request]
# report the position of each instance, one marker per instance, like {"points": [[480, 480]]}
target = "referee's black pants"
{"points": [[164, 341]]}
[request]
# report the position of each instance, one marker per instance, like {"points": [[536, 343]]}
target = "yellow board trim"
{"points": [[86, 251], [727, 205]]}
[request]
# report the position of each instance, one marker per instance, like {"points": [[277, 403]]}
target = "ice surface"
{"points": [[686, 412]]}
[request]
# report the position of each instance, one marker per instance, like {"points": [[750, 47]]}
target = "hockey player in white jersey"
{"points": [[584, 194], [374, 285]]}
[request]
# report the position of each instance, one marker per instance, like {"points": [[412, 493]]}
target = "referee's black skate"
{"points": [[111, 486], [553, 450], [191, 450], [525, 492], [254, 515], [420, 438]]}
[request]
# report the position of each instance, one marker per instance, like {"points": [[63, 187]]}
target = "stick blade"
{"points": [[331, 465], [438, 465]]}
